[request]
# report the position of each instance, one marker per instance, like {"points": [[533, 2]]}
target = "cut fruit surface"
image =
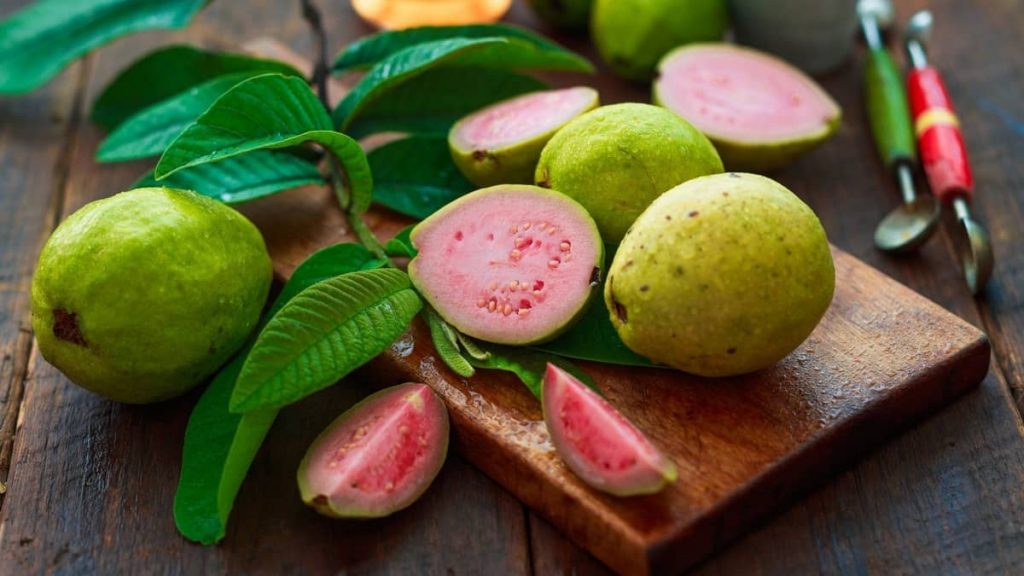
{"points": [[379, 456], [757, 109], [597, 443], [508, 264], [501, 143]]}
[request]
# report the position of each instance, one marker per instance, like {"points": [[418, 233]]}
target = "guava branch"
{"points": [[312, 16]]}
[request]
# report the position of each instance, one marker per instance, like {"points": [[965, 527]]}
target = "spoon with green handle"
{"points": [[913, 222]]}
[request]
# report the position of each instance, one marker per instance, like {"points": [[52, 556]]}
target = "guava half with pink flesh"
{"points": [[598, 443], [508, 264], [759, 111], [501, 143], [379, 456]]}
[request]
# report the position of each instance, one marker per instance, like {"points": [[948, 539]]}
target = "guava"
{"points": [[760, 112], [633, 35], [723, 275], [572, 15], [501, 143], [598, 444], [617, 159], [509, 264], [379, 456], [141, 296]]}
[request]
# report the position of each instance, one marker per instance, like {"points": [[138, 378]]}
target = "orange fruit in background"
{"points": [[397, 14]]}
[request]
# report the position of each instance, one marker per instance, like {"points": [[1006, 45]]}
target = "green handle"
{"points": [[888, 109]]}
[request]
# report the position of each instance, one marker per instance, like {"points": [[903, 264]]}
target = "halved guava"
{"points": [[508, 264], [760, 112], [597, 442], [501, 143], [379, 456]]}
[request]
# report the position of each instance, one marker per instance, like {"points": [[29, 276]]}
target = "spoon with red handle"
{"points": [[942, 151]]}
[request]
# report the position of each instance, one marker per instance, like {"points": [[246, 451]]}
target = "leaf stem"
{"points": [[312, 16], [367, 238]]}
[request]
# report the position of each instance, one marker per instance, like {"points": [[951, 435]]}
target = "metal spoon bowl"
{"points": [[908, 226], [913, 222]]}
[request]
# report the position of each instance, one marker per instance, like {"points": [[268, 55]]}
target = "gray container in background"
{"points": [[815, 35]]}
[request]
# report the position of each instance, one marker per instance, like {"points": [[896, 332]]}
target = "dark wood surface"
{"points": [[89, 484]]}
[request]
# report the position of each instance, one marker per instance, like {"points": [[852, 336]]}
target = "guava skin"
{"points": [[514, 163], [141, 296], [572, 15], [723, 275], [633, 35], [617, 159]]}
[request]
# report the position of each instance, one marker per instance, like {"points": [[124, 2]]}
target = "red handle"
{"points": [[940, 142]]}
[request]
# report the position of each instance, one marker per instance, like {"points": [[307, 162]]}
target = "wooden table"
{"points": [[89, 483]]}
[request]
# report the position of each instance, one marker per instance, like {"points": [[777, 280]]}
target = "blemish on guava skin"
{"points": [[644, 287], [595, 276], [545, 181], [65, 327], [679, 271], [320, 500], [480, 155], [693, 214], [731, 351]]}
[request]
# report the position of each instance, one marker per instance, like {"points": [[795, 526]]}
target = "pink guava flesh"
{"points": [[597, 443], [743, 95], [379, 456], [522, 118], [508, 264]]}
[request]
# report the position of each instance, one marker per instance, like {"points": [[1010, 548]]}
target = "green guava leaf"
{"points": [[322, 334], [151, 130], [167, 72], [242, 178], [431, 103], [471, 347], [416, 176], [403, 66], [267, 112], [401, 245], [325, 264], [446, 343], [371, 50], [527, 365], [594, 338], [37, 42], [219, 445]]}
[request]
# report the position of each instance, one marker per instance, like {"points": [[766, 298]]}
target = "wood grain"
{"points": [[33, 158], [91, 484]]}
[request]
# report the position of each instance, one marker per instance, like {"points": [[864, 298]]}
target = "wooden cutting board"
{"points": [[882, 358]]}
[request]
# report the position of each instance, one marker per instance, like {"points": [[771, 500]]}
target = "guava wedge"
{"points": [[501, 143], [760, 112], [597, 442], [509, 264], [379, 456]]}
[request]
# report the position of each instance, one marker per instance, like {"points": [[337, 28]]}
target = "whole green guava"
{"points": [[141, 296], [633, 35], [723, 275], [617, 159]]}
